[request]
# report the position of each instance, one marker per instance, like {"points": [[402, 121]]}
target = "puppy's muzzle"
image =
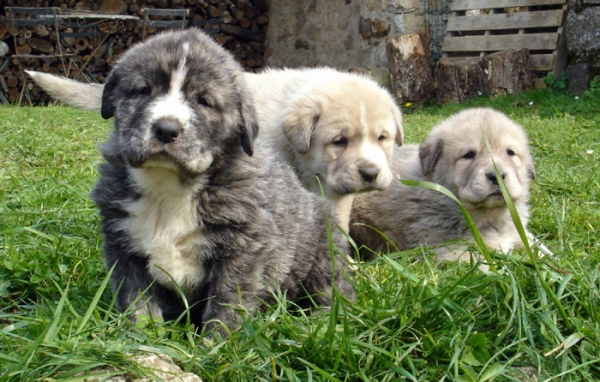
{"points": [[369, 174], [493, 178], [166, 130]]}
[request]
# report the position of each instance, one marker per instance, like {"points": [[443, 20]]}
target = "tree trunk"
{"points": [[507, 72], [459, 80], [408, 62]]}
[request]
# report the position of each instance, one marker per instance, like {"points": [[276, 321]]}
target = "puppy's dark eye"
{"points": [[381, 138], [341, 142], [202, 101], [510, 152], [146, 91], [469, 155]]}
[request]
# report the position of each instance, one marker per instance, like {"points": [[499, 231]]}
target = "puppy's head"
{"points": [[455, 155], [178, 102], [343, 130]]}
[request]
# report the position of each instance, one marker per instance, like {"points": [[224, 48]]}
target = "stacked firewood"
{"points": [[88, 46]]}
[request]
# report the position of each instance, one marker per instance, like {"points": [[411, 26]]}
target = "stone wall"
{"points": [[583, 33], [337, 33]]}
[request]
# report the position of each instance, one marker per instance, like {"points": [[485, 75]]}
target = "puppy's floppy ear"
{"points": [[430, 152], [249, 121], [109, 100], [398, 121], [300, 120]]}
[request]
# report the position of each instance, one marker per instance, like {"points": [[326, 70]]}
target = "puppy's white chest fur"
{"points": [[163, 224]]}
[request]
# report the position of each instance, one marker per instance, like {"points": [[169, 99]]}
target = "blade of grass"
{"points": [[52, 330], [94, 302], [319, 370], [523, 235], [476, 235]]}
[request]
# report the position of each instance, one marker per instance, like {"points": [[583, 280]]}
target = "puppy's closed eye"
{"points": [[140, 91]]}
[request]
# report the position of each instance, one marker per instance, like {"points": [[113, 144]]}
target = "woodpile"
{"points": [[92, 35]]}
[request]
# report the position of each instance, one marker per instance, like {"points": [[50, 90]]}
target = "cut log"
{"points": [[459, 80], [23, 49], [42, 46], [507, 72], [238, 32], [408, 62], [81, 43]]}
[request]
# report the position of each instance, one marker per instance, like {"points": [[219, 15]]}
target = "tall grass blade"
{"points": [[514, 214], [95, 300], [476, 235]]}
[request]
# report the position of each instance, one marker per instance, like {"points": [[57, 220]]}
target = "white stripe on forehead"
{"points": [[173, 104], [179, 75], [364, 123]]}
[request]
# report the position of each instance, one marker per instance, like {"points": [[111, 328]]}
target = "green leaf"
{"points": [[477, 340], [492, 371]]}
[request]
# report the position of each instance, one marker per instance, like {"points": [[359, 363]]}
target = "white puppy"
{"points": [[455, 155]]}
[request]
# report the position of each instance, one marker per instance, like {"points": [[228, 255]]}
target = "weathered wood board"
{"points": [[498, 25]]}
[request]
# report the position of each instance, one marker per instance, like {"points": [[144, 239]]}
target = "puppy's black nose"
{"points": [[166, 130], [369, 174], [492, 177]]}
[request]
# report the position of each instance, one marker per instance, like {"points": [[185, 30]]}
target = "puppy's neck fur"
{"points": [[163, 223], [342, 205]]}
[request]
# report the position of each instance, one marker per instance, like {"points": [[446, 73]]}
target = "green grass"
{"points": [[412, 319]]}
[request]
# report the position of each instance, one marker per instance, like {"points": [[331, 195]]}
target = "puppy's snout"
{"points": [[166, 131], [492, 177], [369, 174]]}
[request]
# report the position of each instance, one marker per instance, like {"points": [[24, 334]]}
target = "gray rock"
{"points": [[583, 36], [578, 77], [162, 366]]}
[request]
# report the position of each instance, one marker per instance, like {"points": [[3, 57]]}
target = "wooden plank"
{"points": [[542, 62], [164, 12], [538, 41], [33, 10], [465, 5], [166, 23], [539, 62], [31, 22], [520, 20]]}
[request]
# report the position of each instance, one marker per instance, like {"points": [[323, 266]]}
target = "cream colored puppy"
{"points": [[455, 156], [337, 127]]}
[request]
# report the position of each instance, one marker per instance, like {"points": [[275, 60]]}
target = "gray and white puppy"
{"points": [[455, 155], [186, 205]]}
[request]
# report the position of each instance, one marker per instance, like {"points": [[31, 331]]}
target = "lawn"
{"points": [[413, 319]]}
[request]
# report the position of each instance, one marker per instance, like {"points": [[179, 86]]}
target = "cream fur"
{"points": [[455, 156]]}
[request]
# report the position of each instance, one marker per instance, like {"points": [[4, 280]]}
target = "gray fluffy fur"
{"points": [[245, 223]]}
